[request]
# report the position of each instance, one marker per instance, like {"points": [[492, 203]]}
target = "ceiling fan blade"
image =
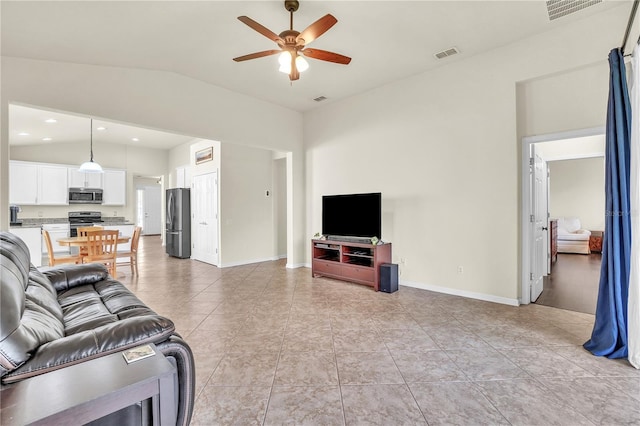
{"points": [[323, 55], [316, 29], [256, 55], [261, 29]]}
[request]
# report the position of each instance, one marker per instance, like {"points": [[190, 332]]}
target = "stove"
{"points": [[84, 218]]}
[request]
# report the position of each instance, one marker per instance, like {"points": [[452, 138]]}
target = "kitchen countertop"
{"points": [[39, 221]]}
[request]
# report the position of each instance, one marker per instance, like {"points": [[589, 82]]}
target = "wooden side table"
{"points": [[595, 241], [90, 390]]}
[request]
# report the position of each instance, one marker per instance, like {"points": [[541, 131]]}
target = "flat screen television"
{"points": [[352, 215]]}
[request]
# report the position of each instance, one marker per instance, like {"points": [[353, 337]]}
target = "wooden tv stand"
{"points": [[355, 262]]}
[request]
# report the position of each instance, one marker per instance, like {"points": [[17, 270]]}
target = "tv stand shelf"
{"points": [[355, 262]]}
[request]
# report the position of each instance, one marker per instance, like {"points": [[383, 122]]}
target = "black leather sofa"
{"points": [[57, 317]]}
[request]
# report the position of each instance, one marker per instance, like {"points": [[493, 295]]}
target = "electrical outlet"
{"points": [[39, 214], [115, 213], [460, 269]]}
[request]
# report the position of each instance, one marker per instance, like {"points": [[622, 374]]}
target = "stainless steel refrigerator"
{"points": [[177, 223]]}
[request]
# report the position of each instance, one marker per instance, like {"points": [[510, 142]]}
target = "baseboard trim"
{"points": [[248, 262], [295, 265], [462, 293]]}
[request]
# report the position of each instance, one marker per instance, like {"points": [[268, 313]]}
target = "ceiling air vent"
{"points": [[446, 53], [559, 8], [320, 98]]}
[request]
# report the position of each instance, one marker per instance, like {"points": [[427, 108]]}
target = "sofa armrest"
{"points": [[90, 344], [178, 352], [68, 276]]}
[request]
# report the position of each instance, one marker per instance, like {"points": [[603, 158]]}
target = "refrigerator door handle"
{"points": [[170, 211]]}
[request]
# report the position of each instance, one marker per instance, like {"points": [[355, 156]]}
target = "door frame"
{"points": [[526, 230]]}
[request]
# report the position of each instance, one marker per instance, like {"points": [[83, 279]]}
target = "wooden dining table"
{"points": [[82, 241]]}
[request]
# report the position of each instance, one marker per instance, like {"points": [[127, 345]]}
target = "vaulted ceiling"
{"points": [[388, 40]]}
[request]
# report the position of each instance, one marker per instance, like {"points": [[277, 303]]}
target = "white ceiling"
{"points": [[388, 40], [72, 128]]}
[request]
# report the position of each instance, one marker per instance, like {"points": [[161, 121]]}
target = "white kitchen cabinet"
{"points": [[183, 177], [115, 193], [52, 185], [37, 183], [33, 239], [23, 183], [78, 179]]}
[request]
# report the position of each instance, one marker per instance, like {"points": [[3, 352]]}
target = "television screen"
{"points": [[353, 215]]}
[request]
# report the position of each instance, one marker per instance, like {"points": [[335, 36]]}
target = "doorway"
{"points": [[575, 144], [148, 202]]}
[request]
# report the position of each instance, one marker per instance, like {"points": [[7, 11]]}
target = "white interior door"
{"points": [[538, 222], [152, 208], [204, 224]]}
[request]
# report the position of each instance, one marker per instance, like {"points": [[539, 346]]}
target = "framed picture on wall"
{"points": [[204, 155]]}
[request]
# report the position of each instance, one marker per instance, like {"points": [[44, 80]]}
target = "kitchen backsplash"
{"points": [[28, 221]]}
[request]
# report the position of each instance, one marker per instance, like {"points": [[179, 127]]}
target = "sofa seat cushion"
{"points": [[580, 235], [89, 306]]}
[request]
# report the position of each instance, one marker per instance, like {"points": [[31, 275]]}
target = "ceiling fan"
{"points": [[293, 43]]}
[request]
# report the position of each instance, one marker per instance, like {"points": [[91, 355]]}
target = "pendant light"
{"points": [[91, 166]]}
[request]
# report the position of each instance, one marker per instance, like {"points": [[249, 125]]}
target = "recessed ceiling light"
{"points": [[23, 134], [135, 139], [50, 120], [101, 128], [47, 139]]}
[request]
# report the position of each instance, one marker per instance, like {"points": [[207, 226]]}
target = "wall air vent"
{"points": [[559, 8], [447, 52], [320, 98]]}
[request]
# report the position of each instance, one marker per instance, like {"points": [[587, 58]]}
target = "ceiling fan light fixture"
{"points": [[302, 64], [285, 62]]}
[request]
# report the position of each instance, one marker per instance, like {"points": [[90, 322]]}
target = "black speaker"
{"points": [[388, 277]]}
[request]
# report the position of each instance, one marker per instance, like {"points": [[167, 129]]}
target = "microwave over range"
{"points": [[85, 196]]}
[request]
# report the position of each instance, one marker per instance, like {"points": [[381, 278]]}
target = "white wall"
{"points": [[246, 213], [135, 160], [162, 101], [444, 149], [576, 189]]}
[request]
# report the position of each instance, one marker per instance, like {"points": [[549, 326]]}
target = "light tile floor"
{"points": [[276, 346]]}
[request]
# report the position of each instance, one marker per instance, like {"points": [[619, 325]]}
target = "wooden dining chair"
{"points": [[82, 232], [101, 248], [53, 260], [132, 254]]}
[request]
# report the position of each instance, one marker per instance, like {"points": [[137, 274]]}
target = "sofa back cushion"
{"points": [[569, 224], [29, 311]]}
